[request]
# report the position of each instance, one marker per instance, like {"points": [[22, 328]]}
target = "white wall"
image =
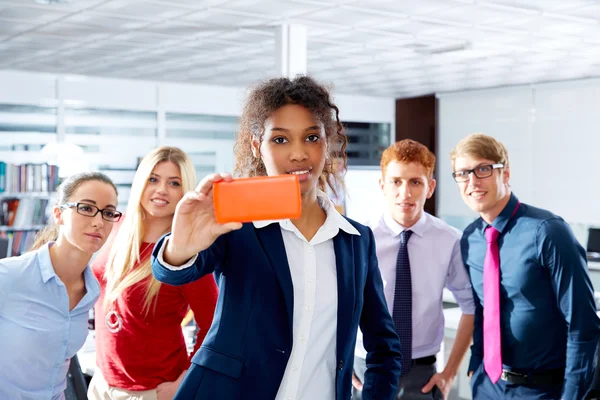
{"points": [[552, 138], [17, 87], [364, 200]]}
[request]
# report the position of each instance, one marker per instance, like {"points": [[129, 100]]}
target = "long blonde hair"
{"points": [[125, 252]]}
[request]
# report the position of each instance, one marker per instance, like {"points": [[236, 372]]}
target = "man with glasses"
{"points": [[536, 330]]}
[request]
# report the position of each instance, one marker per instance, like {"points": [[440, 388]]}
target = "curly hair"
{"points": [[272, 94]]}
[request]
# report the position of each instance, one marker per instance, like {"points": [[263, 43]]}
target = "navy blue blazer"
{"points": [[247, 348]]}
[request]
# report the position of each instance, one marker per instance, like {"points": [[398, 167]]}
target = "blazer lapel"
{"points": [[344, 260], [272, 243]]}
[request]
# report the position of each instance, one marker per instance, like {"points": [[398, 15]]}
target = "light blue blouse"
{"points": [[38, 333]]}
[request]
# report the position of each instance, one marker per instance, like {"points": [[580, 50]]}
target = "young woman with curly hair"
{"points": [[292, 293]]}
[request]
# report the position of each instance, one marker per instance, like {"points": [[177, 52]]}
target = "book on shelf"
{"points": [[25, 195], [16, 243], [20, 221], [28, 178], [22, 213]]}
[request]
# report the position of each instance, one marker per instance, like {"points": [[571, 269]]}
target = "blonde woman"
{"points": [[140, 348]]}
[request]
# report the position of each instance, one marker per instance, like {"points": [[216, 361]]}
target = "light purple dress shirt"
{"points": [[435, 263]]}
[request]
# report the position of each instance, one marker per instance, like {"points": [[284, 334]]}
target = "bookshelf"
{"points": [[26, 191], [36, 228]]}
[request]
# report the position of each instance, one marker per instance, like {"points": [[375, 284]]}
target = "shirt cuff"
{"points": [[162, 261], [464, 299]]}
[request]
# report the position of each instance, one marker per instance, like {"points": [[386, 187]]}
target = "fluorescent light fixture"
{"points": [[431, 50]]}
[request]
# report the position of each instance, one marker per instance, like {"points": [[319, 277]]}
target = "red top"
{"points": [[149, 350]]}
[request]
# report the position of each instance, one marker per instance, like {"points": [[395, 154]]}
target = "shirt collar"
{"points": [[47, 270], [333, 217], [45, 263], [505, 216], [418, 228]]}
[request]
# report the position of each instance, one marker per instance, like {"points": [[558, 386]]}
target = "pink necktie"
{"points": [[492, 346]]}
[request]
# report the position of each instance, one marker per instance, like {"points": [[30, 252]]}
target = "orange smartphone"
{"points": [[257, 198]]}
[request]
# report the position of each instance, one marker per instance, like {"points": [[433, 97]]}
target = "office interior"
{"points": [[96, 84]]}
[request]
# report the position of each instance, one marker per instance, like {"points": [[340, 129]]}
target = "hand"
{"points": [[167, 390], [194, 226], [356, 382], [442, 380]]}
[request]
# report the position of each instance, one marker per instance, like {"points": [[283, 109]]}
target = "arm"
{"points": [[202, 298], [379, 336], [204, 263], [463, 339], [194, 230], [459, 284], [560, 252], [477, 346]]}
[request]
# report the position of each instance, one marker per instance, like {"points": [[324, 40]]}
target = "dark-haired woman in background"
{"points": [[292, 292], [45, 294]]}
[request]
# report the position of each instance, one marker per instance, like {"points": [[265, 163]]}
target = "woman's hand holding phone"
{"points": [[194, 226]]}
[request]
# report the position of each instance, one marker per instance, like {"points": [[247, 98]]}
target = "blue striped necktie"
{"points": [[402, 311]]}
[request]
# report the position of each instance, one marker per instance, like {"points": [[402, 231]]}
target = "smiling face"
{"points": [[487, 196], [406, 187], [293, 143], [163, 190], [87, 233]]}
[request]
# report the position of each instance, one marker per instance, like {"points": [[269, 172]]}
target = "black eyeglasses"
{"points": [[481, 171], [89, 210]]}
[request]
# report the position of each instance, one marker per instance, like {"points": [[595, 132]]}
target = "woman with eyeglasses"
{"points": [[46, 294], [140, 348]]}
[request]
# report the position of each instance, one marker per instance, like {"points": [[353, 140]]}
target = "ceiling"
{"points": [[399, 48]]}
